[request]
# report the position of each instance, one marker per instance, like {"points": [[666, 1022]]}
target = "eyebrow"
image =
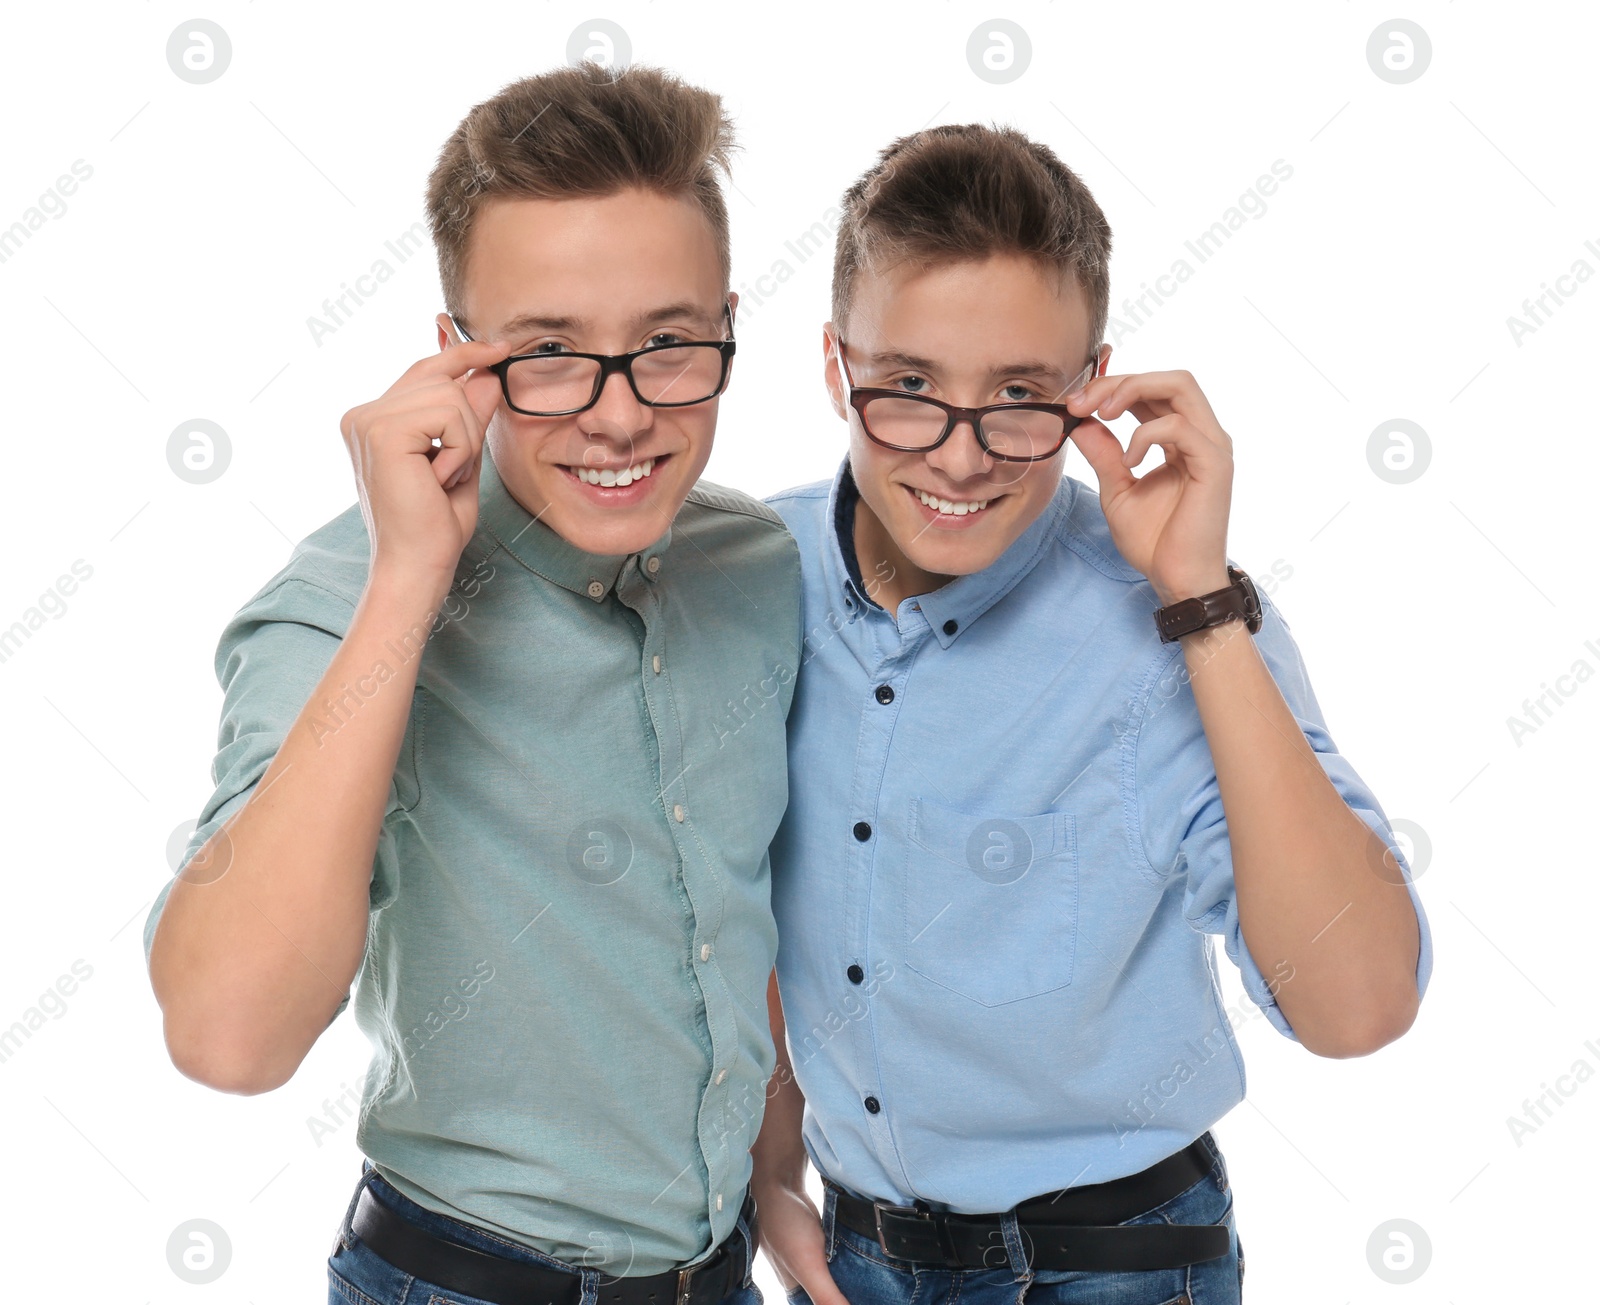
{"points": [[1039, 370], [524, 323]]}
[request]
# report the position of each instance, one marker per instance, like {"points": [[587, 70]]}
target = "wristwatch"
{"points": [[1238, 601]]}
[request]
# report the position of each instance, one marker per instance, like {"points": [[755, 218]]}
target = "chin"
{"points": [[949, 553], [954, 559], [608, 536]]}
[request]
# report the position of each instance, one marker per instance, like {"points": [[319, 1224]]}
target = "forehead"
{"points": [[573, 255], [988, 309]]}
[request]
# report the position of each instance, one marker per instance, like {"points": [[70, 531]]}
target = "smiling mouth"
{"points": [[614, 477], [946, 507]]}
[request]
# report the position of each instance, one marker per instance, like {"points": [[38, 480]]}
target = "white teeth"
{"points": [[610, 476], [945, 507]]}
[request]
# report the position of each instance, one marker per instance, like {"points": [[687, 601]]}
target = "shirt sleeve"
{"points": [[1179, 804], [270, 657]]}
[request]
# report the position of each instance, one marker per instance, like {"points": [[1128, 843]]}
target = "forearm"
{"points": [[264, 930], [1307, 869], [778, 1158]]}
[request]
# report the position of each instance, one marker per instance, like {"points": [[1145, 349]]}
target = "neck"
{"points": [[890, 577]]}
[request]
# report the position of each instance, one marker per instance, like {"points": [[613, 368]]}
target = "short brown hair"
{"points": [[580, 131], [953, 193]]}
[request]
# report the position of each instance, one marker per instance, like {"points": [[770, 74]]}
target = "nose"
{"points": [[617, 415], [960, 457]]}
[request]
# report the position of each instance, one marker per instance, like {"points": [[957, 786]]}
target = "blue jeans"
{"points": [[358, 1275], [867, 1276]]}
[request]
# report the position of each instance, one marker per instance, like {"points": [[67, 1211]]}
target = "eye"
{"points": [[1017, 392], [913, 384], [549, 346], [661, 338]]}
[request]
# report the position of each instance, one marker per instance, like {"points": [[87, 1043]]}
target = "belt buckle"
{"points": [[686, 1275], [878, 1207]]}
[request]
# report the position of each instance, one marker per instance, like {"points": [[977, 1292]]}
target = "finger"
{"points": [[476, 397], [821, 1287], [1103, 452], [456, 395], [451, 363], [1184, 446], [483, 392], [1159, 393], [1088, 399], [467, 477], [451, 391], [414, 431]]}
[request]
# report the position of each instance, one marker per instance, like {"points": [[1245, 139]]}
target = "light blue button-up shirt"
{"points": [[1003, 859]]}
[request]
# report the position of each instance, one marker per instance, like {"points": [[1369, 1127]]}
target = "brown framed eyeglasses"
{"points": [[919, 423]]}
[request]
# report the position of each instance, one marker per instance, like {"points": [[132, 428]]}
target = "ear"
{"points": [[733, 329], [1105, 360], [832, 377], [447, 332]]}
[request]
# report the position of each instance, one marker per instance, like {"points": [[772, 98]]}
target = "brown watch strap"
{"points": [[1238, 600]]}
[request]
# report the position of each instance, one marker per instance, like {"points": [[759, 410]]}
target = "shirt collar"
{"points": [[545, 553], [953, 607]]}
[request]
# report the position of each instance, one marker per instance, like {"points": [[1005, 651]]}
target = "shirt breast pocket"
{"points": [[991, 901]]}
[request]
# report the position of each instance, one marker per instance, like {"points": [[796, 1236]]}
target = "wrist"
{"points": [[787, 1177], [402, 605], [1175, 590], [1202, 645], [406, 587]]}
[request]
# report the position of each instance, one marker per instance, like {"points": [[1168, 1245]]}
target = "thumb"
{"points": [[1103, 452], [483, 393]]}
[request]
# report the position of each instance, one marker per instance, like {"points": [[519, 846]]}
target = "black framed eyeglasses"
{"points": [[1008, 432], [660, 375]]}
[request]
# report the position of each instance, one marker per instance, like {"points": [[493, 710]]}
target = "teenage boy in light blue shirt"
{"points": [[1019, 805]]}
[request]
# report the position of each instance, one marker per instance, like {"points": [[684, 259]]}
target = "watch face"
{"points": [[1252, 599]]}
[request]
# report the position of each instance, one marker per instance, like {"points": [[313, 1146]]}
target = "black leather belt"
{"points": [[1075, 1228], [504, 1281]]}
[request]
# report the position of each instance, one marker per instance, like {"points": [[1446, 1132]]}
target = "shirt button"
{"points": [[721, 1074], [596, 589], [655, 663], [719, 1200], [885, 694], [705, 952], [862, 831], [872, 1105], [856, 973], [950, 627], [677, 812], [653, 565]]}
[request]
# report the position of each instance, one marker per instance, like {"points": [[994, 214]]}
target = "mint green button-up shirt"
{"points": [[570, 934]]}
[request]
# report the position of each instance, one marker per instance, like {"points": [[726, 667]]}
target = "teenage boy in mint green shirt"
{"points": [[475, 753], [1017, 813]]}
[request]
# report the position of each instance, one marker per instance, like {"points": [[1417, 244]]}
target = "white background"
{"points": [[1377, 285]]}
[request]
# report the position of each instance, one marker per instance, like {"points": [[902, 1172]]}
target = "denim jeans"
{"points": [[867, 1276], [358, 1275]]}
